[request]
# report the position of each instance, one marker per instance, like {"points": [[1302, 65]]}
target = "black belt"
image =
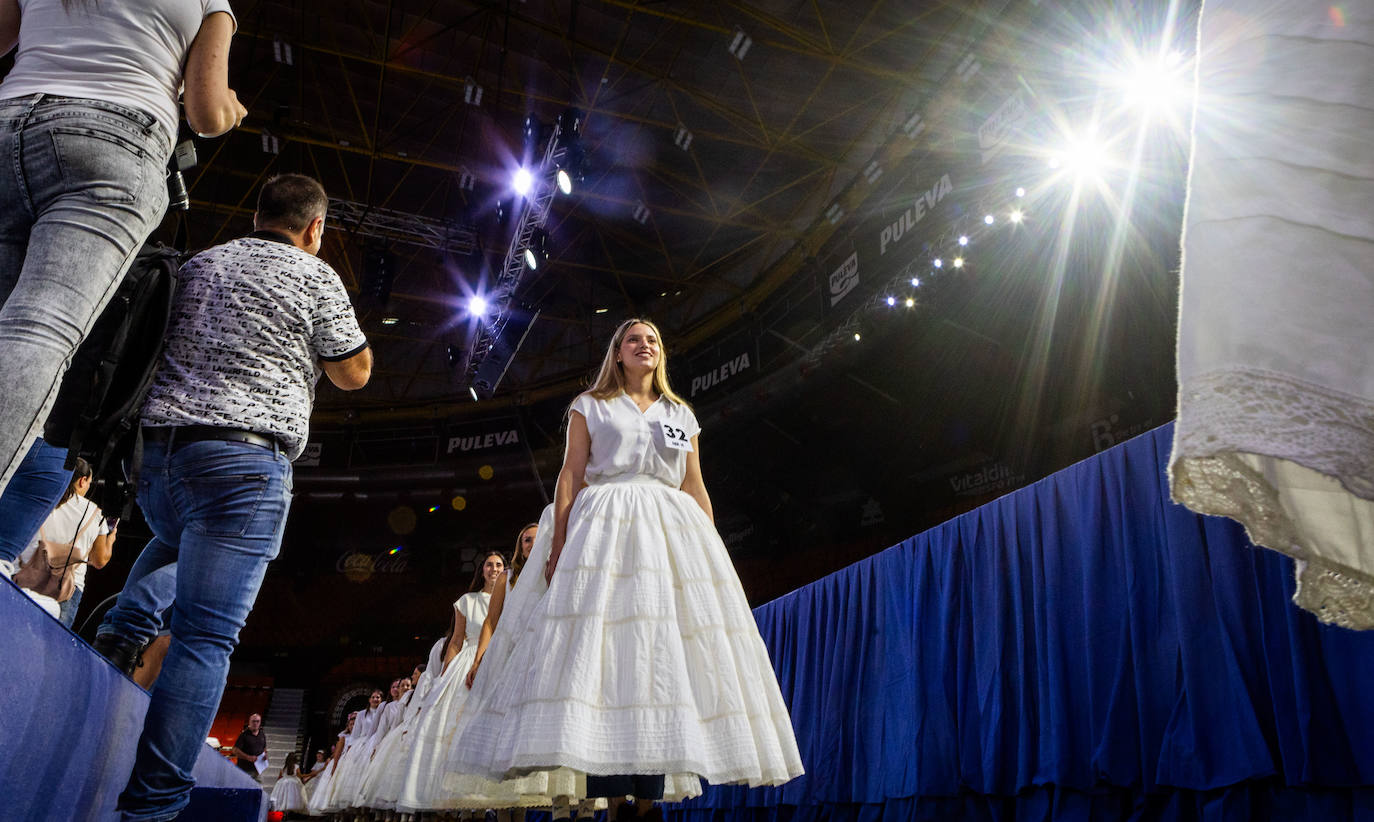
{"points": [[201, 433]]}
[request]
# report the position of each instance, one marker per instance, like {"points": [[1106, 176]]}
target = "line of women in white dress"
{"points": [[617, 656]]}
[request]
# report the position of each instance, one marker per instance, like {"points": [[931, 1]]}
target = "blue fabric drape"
{"points": [[1080, 649]]}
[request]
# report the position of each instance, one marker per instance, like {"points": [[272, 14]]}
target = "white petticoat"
{"points": [[642, 658], [1276, 393], [288, 795]]}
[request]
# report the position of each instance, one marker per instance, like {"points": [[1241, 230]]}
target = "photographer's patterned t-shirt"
{"points": [[251, 320]]}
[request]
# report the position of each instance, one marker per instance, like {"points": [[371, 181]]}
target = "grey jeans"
{"points": [[82, 185]]}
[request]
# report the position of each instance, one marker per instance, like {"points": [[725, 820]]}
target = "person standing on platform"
{"points": [[643, 659], [88, 118], [254, 323], [250, 746]]}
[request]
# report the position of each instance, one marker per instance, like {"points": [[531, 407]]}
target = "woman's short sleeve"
{"points": [[583, 405], [691, 425]]}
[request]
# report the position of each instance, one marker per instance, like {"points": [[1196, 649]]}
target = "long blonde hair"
{"points": [[610, 380]]}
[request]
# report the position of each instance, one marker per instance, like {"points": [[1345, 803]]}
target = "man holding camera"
{"points": [[254, 322]]}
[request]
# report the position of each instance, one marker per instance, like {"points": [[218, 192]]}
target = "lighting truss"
{"points": [[399, 226], [533, 216]]}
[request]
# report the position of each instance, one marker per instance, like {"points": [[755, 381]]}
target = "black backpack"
{"points": [[97, 407]]}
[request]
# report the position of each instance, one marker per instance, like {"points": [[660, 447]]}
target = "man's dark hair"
{"points": [[291, 201]]}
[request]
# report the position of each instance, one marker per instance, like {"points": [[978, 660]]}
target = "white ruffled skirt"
{"points": [[642, 658], [1276, 393], [288, 795]]}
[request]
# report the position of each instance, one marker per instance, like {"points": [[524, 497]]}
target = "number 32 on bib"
{"points": [[676, 437]]}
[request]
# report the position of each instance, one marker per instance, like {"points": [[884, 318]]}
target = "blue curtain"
{"points": [[1080, 649]]}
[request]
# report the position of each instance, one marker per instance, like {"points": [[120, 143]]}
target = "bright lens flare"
{"points": [[477, 306], [958, 262], [1016, 216], [1154, 85], [1083, 157], [522, 182]]}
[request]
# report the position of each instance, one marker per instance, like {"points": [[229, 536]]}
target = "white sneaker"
{"points": [[6, 569]]}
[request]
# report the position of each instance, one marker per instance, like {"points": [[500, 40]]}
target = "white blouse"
{"points": [[627, 444]]}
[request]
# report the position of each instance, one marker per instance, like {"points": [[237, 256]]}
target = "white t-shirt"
{"points": [[629, 444], [129, 52], [63, 522]]}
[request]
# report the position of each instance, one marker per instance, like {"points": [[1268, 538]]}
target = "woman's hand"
{"points": [[555, 551], [472, 672]]}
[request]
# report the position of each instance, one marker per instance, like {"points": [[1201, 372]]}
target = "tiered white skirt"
{"points": [[288, 795], [642, 658]]}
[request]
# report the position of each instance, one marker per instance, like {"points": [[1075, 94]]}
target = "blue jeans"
{"points": [[143, 608], [67, 609], [218, 510], [31, 495], [82, 185]]}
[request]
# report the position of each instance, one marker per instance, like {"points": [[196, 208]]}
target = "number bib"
{"points": [[675, 438]]}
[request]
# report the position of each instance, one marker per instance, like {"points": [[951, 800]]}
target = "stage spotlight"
{"points": [[963, 239], [477, 306], [989, 219], [1020, 192], [472, 392], [915, 282], [1016, 215], [857, 336], [938, 263], [537, 252], [522, 182], [564, 181], [910, 303], [891, 300], [958, 262]]}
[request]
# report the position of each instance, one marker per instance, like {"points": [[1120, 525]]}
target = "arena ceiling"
{"points": [[706, 170]]}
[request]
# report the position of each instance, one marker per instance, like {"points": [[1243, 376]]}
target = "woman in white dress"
{"points": [[537, 790], [308, 779], [319, 785], [644, 658], [382, 780], [343, 785], [422, 769], [288, 794]]}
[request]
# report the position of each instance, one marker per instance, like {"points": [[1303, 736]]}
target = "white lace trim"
{"points": [[1224, 415]]}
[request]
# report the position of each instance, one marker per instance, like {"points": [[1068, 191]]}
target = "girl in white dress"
{"points": [[537, 790], [289, 794], [644, 658], [382, 780], [423, 768], [308, 779], [319, 785], [343, 785]]}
